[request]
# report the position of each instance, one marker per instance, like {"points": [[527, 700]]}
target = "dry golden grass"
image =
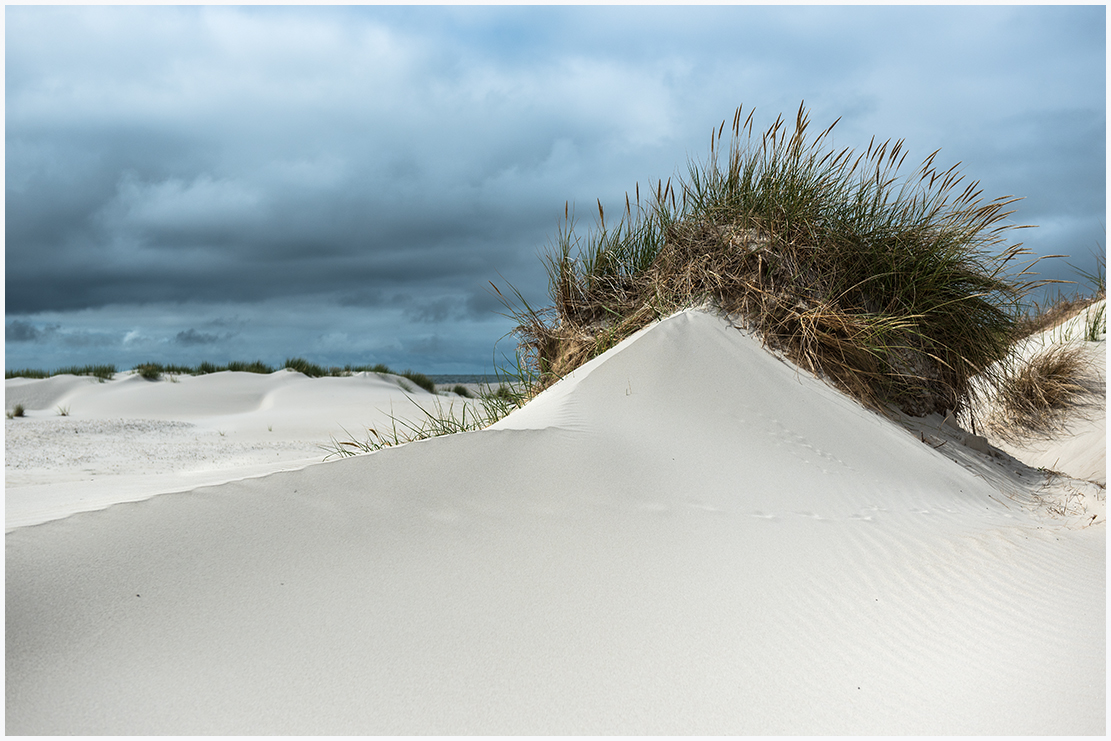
{"points": [[1034, 396], [898, 290], [1057, 311]]}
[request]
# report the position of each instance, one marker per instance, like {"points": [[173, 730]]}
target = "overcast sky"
{"points": [[342, 183]]}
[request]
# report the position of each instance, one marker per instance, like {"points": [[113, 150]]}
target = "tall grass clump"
{"points": [[150, 371], [897, 289], [421, 380], [312, 370], [244, 367]]}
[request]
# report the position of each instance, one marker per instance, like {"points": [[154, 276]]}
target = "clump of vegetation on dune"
{"points": [[1033, 396], [899, 290], [1034, 393], [471, 415]]}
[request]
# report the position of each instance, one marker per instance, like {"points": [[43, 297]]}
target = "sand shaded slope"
{"points": [[688, 536]]}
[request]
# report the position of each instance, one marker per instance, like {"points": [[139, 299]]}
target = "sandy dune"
{"points": [[130, 439], [687, 535]]}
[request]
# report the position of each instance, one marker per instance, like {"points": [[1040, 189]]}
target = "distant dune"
{"points": [[131, 438]]}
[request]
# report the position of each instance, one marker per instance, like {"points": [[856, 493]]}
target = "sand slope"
{"points": [[688, 536]]}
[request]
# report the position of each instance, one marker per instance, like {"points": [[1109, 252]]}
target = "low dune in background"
{"points": [[687, 535], [130, 438]]}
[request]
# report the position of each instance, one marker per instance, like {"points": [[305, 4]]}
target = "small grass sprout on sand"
{"points": [[1058, 311], [17, 411], [477, 415], [441, 421], [1095, 324], [63, 411], [899, 290]]}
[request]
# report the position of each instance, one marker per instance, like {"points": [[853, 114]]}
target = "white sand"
{"points": [[130, 439], [687, 536]]}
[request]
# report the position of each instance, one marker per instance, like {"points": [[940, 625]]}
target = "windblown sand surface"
{"points": [[687, 535], [130, 438]]}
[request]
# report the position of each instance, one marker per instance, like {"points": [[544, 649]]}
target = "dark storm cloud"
{"points": [[23, 331], [398, 159], [289, 189], [193, 337]]}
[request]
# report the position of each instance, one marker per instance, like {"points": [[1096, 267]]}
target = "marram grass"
{"points": [[472, 415], [899, 290], [1034, 396]]}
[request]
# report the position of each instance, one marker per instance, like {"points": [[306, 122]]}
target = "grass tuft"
{"points": [[421, 380], [1095, 325], [256, 367], [899, 290], [488, 408], [150, 371], [17, 411], [1033, 395], [441, 421], [312, 370]]}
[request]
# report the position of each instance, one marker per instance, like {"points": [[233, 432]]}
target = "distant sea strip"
{"points": [[447, 380]]}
